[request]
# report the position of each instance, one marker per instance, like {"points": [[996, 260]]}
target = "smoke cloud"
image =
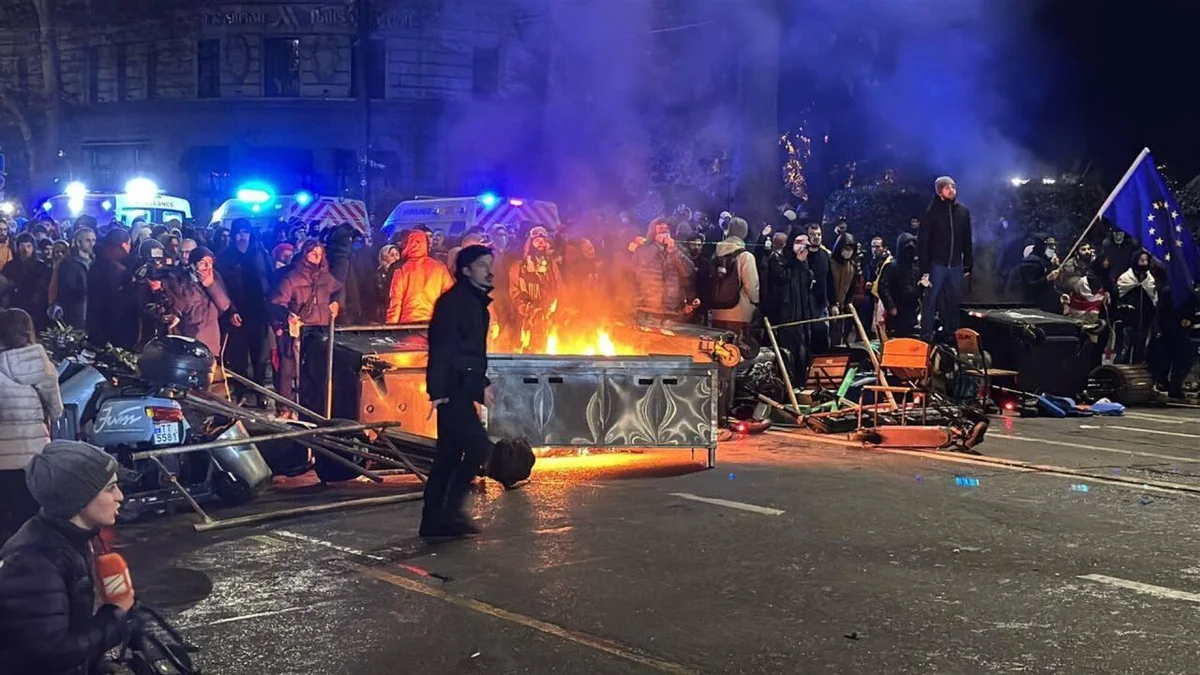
{"points": [[620, 94]]}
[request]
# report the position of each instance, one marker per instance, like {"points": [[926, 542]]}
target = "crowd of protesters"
{"points": [[245, 293]]}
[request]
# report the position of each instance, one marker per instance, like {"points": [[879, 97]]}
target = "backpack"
{"points": [[726, 284]]}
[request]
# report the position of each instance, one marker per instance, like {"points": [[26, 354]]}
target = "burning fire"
{"points": [[599, 344]]}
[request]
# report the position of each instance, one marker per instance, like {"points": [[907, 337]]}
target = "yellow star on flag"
{"points": [[1152, 231], [1174, 215], [1159, 241], [1150, 217]]}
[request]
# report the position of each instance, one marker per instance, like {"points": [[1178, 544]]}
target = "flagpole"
{"points": [[1107, 202]]}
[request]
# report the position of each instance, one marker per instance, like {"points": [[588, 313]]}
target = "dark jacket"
{"points": [[798, 303], [945, 236], [900, 276], [458, 335], [775, 287], [247, 278], [112, 316], [305, 291], [661, 276], [48, 621], [1119, 255], [200, 309], [31, 287], [1036, 289], [73, 290], [820, 263]]}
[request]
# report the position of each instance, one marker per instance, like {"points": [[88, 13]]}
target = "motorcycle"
{"points": [[127, 404]]}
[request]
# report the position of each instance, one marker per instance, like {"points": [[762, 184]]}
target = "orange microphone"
{"points": [[116, 585]]}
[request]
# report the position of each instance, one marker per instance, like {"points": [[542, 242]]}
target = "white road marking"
{"points": [[1156, 432], [1081, 446], [1025, 467], [764, 510], [1163, 419], [1148, 589], [247, 617], [326, 544]]}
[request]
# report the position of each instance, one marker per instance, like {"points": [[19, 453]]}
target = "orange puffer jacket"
{"points": [[418, 283]]}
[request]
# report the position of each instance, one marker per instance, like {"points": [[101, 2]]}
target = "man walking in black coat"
{"points": [[456, 380], [946, 255]]}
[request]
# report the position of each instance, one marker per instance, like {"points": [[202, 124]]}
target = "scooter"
{"points": [[128, 410]]}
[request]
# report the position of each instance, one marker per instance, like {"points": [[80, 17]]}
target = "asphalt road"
{"points": [[823, 558]]}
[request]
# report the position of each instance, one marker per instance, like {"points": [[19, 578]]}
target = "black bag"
{"points": [[511, 461], [727, 285]]}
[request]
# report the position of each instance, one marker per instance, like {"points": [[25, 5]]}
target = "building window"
{"points": [[281, 67], [122, 78], [486, 71], [93, 74], [152, 71], [208, 69], [376, 70]]}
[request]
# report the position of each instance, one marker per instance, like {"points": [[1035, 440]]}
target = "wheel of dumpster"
{"points": [[1126, 384]]}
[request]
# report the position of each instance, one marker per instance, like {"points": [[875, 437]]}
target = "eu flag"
{"points": [[1143, 207]]}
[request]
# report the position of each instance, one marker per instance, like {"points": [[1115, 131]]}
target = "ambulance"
{"points": [[141, 199], [263, 208], [456, 215]]}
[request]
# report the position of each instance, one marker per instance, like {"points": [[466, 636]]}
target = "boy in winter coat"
{"points": [[49, 620]]}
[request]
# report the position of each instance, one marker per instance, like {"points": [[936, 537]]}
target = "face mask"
{"points": [[1050, 253]]}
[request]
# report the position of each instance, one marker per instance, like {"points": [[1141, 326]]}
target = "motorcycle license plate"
{"points": [[166, 433]]}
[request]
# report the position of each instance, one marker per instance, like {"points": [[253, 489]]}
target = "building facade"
{"points": [[403, 95]]}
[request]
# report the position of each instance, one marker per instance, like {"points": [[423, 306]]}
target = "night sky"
{"points": [[1117, 77]]}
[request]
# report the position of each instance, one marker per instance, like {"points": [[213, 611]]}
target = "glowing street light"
{"points": [[8, 208], [1048, 181], [1017, 181]]}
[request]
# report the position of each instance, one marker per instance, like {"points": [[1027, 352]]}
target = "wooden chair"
{"points": [[970, 345], [907, 359]]}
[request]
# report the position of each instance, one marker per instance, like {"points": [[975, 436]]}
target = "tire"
{"points": [[230, 490], [1129, 385]]}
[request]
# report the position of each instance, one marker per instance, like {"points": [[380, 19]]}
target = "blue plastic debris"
{"points": [[1079, 488], [731, 476], [920, 478], [966, 482]]}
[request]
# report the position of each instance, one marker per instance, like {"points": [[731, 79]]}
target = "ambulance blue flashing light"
{"points": [[488, 199], [303, 198], [254, 193], [255, 208], [106, 205], [47, 206]]}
